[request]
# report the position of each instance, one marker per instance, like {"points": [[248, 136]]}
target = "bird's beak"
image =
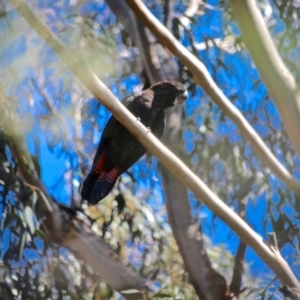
{"points": [[180, 99]]}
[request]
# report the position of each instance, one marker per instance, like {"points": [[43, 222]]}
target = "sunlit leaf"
{"points": [[22, 243], [28, 217]]}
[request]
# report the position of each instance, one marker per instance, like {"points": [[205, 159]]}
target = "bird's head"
{"points": [[169, 93]]}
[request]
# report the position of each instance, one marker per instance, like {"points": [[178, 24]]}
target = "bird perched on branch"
{"points": [[119, 149]]}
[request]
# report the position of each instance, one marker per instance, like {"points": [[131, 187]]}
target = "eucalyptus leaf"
{"points": [[22, 244], [28, 216], [40, 234]]}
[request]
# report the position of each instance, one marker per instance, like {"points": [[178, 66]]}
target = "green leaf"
{"points": [[40, 234], [22, 244]]}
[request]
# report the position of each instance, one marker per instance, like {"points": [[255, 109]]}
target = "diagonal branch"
{"points": [[270, 256], [278, 79], [203, 78]]}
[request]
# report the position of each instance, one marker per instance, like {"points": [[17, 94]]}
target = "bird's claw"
{"points": [[148, 129], [138, 119]]}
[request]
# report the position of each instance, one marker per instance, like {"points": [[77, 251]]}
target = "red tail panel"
{"points": [[100, 164], [113, 175]]}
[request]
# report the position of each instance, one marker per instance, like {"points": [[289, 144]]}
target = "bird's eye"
{"points": [[183, 96]]}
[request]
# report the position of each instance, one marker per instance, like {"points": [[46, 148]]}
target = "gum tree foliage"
{"points": [[62, 124]]}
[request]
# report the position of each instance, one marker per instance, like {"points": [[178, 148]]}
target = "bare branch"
{"points": [[104, 95], [278, 79], [203, 78]]}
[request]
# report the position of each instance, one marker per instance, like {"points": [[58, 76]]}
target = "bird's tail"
{"points": [[92, 177], [103, 185]]}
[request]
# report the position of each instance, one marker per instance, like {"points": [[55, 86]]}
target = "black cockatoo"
{"points": [[119, 149]]}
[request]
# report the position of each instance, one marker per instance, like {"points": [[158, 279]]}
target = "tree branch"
{"points": [[278, 79], [203, 78], [104, 95]]}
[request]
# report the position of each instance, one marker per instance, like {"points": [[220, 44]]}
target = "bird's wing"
{"points": [[106, 135], [139, 100], [109, 130], [159, 124], [157, 129], [131, 99], [113, 128]]}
